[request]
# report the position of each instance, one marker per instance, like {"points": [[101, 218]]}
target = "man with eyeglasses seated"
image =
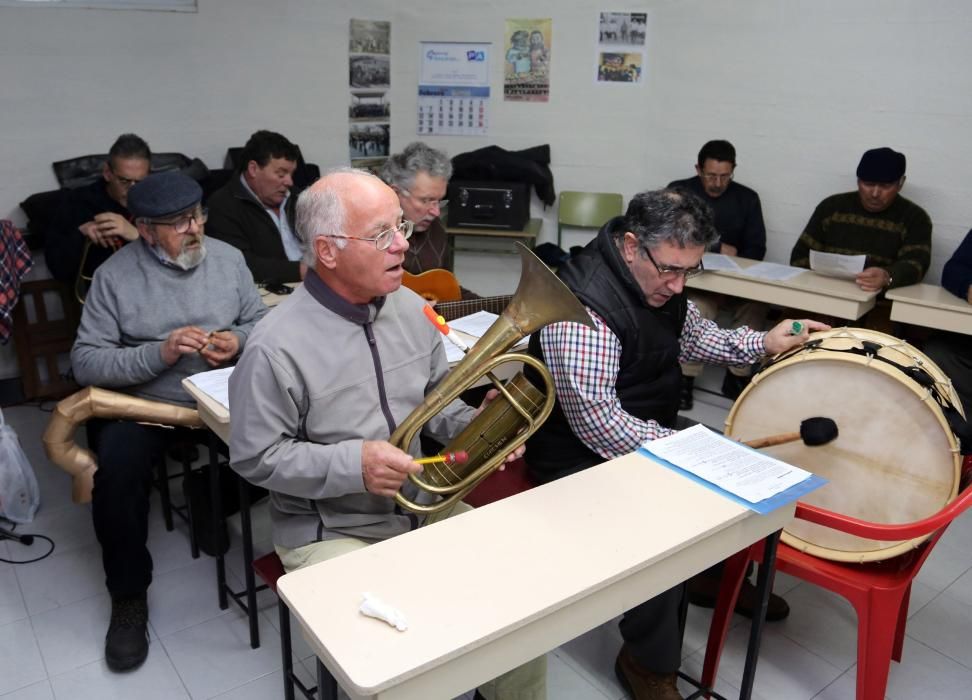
{"points": [[327, 377], [739, 223], [161, 309], [617, 385], [420, 177], [97, 213], [254, 211]]}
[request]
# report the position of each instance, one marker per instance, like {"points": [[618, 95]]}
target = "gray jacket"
{"points": [[318, 378], [135, 302]]}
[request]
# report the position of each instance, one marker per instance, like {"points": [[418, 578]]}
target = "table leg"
{"points": [[326, 685], [764, 586], [216, 503], [248, 574]]}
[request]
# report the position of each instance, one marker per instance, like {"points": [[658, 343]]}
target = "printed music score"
{"points": [[472, 328], [726, 464]]}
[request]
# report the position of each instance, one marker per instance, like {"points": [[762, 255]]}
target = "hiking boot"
{"points": [[687, 386], [126, 644], [642, 684], [703, 591]]}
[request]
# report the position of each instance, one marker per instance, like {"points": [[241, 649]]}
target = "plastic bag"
{"points": [[19, 494]]}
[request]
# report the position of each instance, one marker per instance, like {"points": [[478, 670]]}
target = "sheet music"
{"points": [[726, 463], [475, 324], [771, 271], [453, 353], [215, 384], [845, 267], [718, 261]]}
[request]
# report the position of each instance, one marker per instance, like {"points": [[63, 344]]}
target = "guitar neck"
{"points": [[450, 310]]}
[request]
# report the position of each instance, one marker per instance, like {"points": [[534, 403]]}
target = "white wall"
{"points": [[801, 87]]}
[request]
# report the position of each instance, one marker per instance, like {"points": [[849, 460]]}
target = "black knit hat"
{"points": [[162, 194], [880, 165]]}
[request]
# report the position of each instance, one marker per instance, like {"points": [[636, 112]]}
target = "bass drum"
{"points": [[895, 460]]}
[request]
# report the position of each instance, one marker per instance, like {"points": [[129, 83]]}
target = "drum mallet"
{"points": [[813, 431]]}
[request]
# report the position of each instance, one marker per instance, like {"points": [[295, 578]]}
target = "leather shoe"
{"points": [[644, 685], [703, 591], [685, 389], [126, 644], [733, 385]]}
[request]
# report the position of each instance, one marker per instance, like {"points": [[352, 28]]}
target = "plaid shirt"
{"points": [[584, 364], [15, 262]]}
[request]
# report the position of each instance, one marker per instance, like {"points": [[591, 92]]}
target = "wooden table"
{"points": [[931, 306], [527, 236], [490, 589], [807, 291]]}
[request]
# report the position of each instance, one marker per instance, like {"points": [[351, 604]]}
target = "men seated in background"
{"points": [[617, 385], [163, 308], [739, 223], [893, 232], [420, 177], [312, 426], [97, 214], [952, 352], [254, 211]]}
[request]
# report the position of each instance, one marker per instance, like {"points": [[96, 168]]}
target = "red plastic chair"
{"points": [[879, 591]]}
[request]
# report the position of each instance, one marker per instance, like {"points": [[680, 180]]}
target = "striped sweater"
{"points": [[897, 239]]}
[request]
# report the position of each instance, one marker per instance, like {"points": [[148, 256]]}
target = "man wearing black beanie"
{"points": [[893, 232]]}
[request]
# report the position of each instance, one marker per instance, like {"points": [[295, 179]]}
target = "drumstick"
{"points": [[454, 457], [813, 431]]}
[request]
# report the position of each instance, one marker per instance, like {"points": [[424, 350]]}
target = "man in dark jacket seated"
{"points": [[617, 384], [254, 211], [97, 214]]}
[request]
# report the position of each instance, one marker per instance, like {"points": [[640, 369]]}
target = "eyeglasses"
{"points": [[670, 272], [712, 177], [184, 223], [427, 201], [125, 182], [384, 239]]}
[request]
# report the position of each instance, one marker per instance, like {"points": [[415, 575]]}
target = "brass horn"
{"points": [[540, 299]]}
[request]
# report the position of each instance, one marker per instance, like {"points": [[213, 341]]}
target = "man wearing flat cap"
{"points": [[165, 307], [893, 232]]}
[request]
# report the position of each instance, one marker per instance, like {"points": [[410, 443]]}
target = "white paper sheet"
{"points": [[453, 352], [475, 324], [771, 271], [718, 261], [726, 463], [845, 267], [214, 383]]}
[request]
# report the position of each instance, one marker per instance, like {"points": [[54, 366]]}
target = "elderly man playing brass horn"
{"points": [[330, 374], [162, 308], [618, 384]]}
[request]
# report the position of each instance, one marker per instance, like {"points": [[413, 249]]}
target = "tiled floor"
{"points": [[53, 615]]}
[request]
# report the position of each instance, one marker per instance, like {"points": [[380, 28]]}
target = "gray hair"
{"points": [[401, 168], [669, 216], [320, 212]]}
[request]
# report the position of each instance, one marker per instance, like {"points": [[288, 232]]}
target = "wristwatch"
{"points": [[890, 280]]}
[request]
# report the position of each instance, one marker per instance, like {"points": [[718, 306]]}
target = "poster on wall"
{"points": [[369, 107], [453, 91], [621, 47], [526, 76]]}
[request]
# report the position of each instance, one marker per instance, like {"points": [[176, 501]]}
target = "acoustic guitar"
{"points": [[441, 289]]}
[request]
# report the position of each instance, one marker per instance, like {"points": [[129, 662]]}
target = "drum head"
{"points": [[895, 459]]}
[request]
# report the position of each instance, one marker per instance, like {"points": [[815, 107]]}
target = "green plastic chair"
{"points": [[587, 210]]}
